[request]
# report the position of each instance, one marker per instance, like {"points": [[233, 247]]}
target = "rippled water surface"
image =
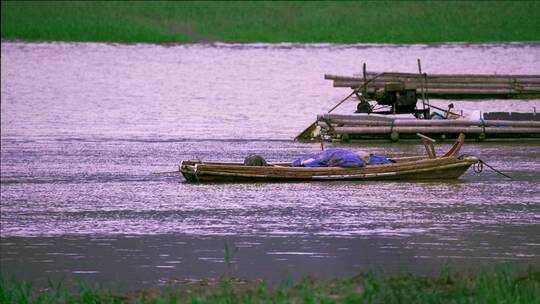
{"points": [[85, 126]]}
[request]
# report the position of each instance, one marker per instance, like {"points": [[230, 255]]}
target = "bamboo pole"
{"points": [[443, 77], [365, 80], [330, 117], [461, 76], [447, 87], [463, 91], [442, 85], [423, 84], [307, 132], [433, 78], [436, 129], [446, 122]]}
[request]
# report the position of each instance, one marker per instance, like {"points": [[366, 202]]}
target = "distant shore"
{"points": [[400, 22]]}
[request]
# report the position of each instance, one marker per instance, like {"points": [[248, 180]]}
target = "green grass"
{"points": [[334, 22], [498, 286]]}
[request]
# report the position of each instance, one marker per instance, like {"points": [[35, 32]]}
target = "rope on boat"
{"points": [[481, 163], [479, 167]]}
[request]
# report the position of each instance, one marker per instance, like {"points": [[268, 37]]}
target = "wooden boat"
{"points": [[447, 166]]}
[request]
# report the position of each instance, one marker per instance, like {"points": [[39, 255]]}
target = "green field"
{"points": [[306, 22], [497, 286]]}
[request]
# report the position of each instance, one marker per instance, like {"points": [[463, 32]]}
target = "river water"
{"points": [[84, 126]]}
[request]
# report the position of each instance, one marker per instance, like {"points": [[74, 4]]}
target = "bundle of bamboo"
{"points": [[448, 85], [343, 126]]}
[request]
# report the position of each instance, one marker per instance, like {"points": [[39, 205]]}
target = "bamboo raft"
{"points": [[400, 92], [362, 126], [447, 86], [447, 166]]}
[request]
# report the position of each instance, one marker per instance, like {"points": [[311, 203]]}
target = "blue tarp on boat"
{"points": [[337, 157]]}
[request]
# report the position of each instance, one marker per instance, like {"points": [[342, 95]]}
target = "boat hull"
{"points": [[420, 169]]}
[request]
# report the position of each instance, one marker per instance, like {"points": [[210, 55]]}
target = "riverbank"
{"points": [[498, 286], [303, 22]]}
